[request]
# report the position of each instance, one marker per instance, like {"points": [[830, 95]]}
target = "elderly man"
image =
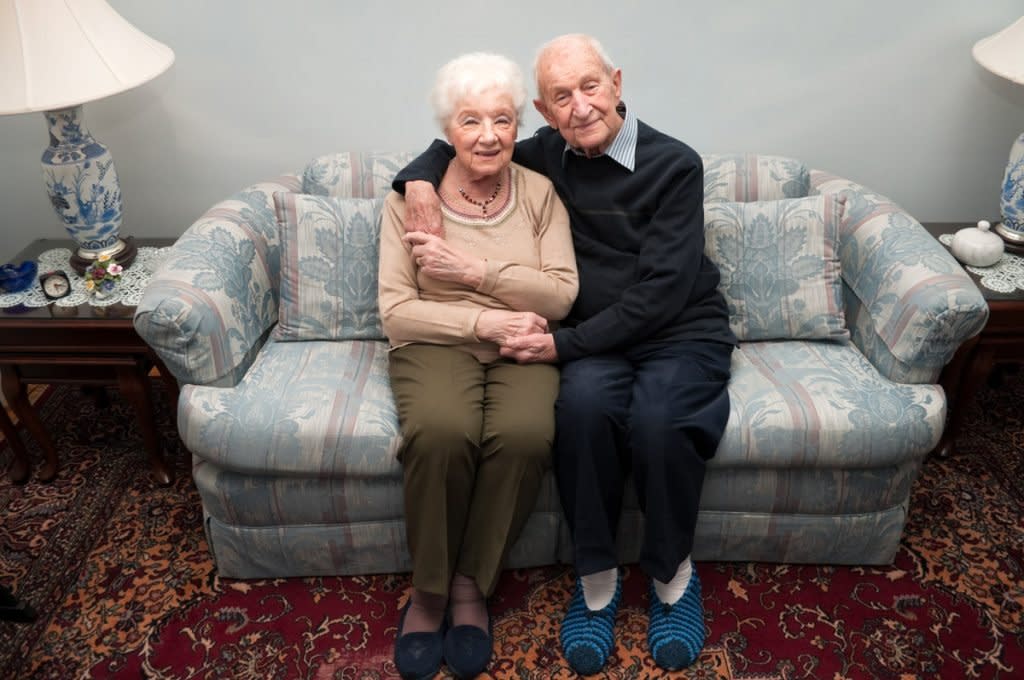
{"points": [[644, 353]]}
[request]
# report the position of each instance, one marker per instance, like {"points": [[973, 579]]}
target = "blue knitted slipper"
{"points": [[587, 636], [675, 632]]}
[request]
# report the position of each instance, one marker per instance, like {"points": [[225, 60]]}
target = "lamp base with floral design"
{"points": [[1011, 202], [82, 184]]}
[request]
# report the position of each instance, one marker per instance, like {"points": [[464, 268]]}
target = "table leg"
{"points": [[976, 372], [18, 399], [133, 383], [20, 467]]}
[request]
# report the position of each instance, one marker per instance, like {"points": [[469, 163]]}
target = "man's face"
{"points": [[578, 96]]}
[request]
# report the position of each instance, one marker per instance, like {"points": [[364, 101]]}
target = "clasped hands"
{"points": [[522, 336]]}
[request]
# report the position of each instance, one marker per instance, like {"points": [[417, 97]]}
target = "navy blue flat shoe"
{"points": [[418, 655], [468, 649]]}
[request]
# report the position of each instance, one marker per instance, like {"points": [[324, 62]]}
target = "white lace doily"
{"points": [[1004, 276], [128, 290]]}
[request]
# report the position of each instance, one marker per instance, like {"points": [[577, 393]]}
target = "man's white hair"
{"points": [[471, 75], [587, 40]]}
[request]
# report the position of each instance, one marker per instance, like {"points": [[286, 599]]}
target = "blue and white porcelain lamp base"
{"points": [[1011, 203], [82, 184]]}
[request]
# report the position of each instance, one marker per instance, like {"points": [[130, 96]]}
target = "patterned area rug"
{"points": [[119, 570]]}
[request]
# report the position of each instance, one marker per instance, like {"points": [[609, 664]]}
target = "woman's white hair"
{"points": [[471, 75]]}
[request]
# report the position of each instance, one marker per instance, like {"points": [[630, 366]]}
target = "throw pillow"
{"points": [[329, 252], [779, 262]]}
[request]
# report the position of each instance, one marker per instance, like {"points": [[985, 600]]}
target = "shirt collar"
{"points": [[623, 147]]}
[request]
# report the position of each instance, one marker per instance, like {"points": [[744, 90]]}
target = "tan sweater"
{"points": [[530, 267]]}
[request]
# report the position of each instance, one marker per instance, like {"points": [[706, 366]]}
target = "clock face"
{"points": [[56, 285]]}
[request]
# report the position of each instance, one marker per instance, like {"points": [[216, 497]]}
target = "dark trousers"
{"points": [[656, 411]]}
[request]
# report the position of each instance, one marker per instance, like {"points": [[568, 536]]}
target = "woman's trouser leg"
{"points": [[519, 426], [439, 394]]}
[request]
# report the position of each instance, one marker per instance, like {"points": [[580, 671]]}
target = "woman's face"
{"points": [[483, 132]]}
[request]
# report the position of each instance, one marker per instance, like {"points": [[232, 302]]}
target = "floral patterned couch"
{"points": [[293, 443]]}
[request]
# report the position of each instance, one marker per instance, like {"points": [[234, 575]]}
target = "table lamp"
{"points": [[55, 55], [1003, 54]]}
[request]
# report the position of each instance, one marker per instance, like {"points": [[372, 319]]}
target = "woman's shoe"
{"points": [[418, 655], [468, 649]]}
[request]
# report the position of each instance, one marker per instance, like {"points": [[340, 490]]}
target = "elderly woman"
{"points": [[477, 428]]}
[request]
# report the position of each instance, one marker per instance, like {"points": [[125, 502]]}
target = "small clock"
{"points": [[55, 284]]}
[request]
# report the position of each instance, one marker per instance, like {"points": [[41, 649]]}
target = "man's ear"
{"points": [[542, 109]]}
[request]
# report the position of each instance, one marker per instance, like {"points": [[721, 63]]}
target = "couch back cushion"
{"points": [[779, 262], [329, 251], [353, 174], [753, 177]]}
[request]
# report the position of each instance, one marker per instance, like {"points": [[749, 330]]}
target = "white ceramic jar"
{"points": [[977, 246]]}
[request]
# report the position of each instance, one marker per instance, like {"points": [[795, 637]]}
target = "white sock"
{"points": [[670, 592], [599, 588]]}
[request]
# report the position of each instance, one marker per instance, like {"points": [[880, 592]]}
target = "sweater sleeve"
{"points": [[429, 165], [550, 289], [668, 265], [404, 316]]}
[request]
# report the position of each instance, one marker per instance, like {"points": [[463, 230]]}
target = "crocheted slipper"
{"points": [[587, 636], [675, 632]]}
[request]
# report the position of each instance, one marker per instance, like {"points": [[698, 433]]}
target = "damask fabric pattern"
{"points": [[906, 298], [779, 262], [329, 252], [817, 425], [816, 435]]}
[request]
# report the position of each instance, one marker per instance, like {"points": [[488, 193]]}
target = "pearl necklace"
{"points": [[481, 204]]}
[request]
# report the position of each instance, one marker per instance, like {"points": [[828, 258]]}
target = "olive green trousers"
{"points": [[476, 444]]}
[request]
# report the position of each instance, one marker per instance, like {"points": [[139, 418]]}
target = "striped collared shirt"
{"points": [[623, 147]]}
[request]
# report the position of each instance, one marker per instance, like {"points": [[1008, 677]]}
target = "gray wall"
{"points": [[885, 93]]}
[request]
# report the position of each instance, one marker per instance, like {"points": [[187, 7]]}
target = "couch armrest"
{"points": [[909, 304], [207, 310]]}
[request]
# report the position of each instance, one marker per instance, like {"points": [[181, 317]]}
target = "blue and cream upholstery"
{"points": [[294, 440]]}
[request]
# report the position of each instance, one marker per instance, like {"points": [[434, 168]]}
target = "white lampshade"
{"points": [[1002, 53], [60, 53]]}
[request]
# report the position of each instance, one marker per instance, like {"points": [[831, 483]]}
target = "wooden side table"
{"points": [[1001, 341], [83, 345]]}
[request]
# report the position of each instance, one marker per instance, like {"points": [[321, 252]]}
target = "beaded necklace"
{"points": [[482, 204]]}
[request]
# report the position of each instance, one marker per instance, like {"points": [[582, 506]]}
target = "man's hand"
{"points": [[439, 260], [531, 349], [501, 326], [422, 208]]}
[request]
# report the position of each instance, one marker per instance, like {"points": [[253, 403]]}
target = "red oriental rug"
{"points": [[119, 571]]}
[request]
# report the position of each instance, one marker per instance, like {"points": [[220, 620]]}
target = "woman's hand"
{"points": [[438, 260], [499, 326]]}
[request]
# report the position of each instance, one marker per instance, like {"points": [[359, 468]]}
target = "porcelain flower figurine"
{"points": [[102, 276]]}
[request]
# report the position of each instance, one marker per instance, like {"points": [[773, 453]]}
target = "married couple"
{"points": [[549, 300]]}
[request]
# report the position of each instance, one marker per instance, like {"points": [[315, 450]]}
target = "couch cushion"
{"points": [[329, 252], [813, 408], [779, 262], [315, 409], [753, 177]]}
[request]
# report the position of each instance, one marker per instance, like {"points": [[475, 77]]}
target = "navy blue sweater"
{"points": [[639, 240]]}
